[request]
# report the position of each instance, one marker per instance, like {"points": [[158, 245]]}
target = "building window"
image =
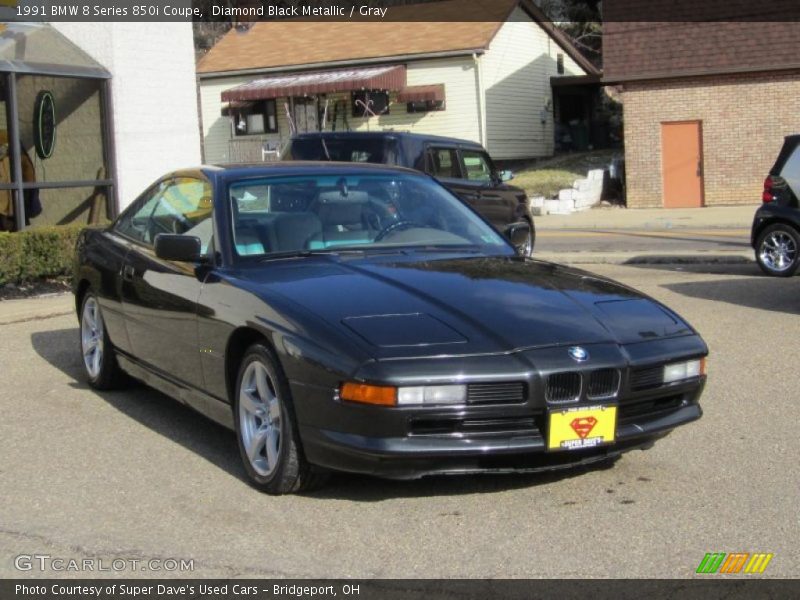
{"points": [[258, 117], [425, 106], [370, 104], [560, 63]]}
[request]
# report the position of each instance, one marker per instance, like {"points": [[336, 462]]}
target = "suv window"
{"points": [[476, 165], [443, 162], [371, 150], [181, 206]]}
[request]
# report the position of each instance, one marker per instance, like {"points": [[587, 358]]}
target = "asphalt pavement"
{"points": [[133, 474], [643, 242], [616, 235]]}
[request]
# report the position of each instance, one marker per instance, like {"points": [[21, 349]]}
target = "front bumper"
{"points": [[388, 442]]}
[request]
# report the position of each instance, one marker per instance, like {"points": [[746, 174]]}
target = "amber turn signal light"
{"points": [[368, 394]]}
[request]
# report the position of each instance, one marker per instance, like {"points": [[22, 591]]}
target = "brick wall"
{"points": [[744, 120]]}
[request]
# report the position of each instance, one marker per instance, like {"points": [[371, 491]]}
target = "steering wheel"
{"points": [[397, 226]]}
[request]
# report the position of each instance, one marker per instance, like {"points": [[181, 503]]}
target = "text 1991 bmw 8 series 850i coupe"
{"points": [[362, 318]]}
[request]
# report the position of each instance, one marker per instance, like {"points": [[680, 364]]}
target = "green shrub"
{"points": [[37, 253]]}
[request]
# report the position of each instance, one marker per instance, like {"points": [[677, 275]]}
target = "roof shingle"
{"points": [[298, 42]]}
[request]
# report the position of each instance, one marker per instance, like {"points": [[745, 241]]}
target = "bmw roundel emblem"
{"points": [[579, 354]]}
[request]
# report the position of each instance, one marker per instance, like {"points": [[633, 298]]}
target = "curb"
{"points": [[637, 258], [35, 308]]}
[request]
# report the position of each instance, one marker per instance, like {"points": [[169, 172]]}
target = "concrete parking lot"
{"points": [[133, 474]]}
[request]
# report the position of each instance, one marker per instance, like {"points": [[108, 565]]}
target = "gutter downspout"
{"points": [[476, 58]]}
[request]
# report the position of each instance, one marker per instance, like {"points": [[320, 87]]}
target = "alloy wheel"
{"points": [[778, 251], [92, 338], [260, 418]]}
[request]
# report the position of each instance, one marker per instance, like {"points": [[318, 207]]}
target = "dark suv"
{"points": [[776, 226], [464, 167]]}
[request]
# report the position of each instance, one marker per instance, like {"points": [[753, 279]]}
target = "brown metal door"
{"points": [[682, 164]]}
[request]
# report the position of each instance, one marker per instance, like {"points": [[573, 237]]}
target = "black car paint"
{"points": [[786, 206], [499, 203], [182, 327]]}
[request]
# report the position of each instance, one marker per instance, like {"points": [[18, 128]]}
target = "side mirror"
{"points": [[180, 248], [519, 234], [506, 175]]}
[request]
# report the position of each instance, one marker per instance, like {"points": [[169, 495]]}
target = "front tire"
{"points": [[266, 428], [99, 361], [778, 250], [528, 250]]}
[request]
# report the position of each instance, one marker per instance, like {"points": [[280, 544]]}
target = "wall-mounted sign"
{"points": [[44, 124]]}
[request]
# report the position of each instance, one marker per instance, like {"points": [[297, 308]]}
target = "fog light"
{"points": [[432, 394], [684, 370]]}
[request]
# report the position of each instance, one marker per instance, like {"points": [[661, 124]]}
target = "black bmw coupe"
{"points": [[362, 318]]}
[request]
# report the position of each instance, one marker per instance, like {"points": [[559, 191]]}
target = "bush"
{"points": [[37, 253]]}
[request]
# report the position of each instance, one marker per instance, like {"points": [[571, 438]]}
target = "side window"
{"points": [[181, 206], [134, 223], [443, 162], [476, 166]]}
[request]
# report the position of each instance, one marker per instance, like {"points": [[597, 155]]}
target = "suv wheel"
{"points": [[778, 250], [528, 247]]}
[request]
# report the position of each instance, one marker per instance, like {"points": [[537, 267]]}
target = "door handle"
{"points": [[127, 272], [699, 168]]}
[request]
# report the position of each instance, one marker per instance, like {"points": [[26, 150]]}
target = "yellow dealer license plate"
{"points": [[581, 427]]}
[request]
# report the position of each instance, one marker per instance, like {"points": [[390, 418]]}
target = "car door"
{"points": [[491, 197], [160, 297], [443, 163]]}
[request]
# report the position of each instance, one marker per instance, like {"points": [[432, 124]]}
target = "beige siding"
{"points": [[459, 119], [216, 128], [516, 78]]}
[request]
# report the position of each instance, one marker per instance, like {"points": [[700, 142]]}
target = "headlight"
{"points": [[684, 370], [432, 394]]}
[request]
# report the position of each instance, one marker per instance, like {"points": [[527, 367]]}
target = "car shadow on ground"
{"points": [[217, 445], [750, 287], [156, 411], [364, 488]]}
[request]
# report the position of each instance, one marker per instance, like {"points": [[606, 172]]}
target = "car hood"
{"points": [[465, 305]]}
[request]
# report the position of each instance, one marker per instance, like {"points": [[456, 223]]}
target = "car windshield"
{"points": [[326, 213]]}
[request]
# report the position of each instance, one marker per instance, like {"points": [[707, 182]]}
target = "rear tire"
{"points": [[266, 427], [778, 250], [99, 360]]}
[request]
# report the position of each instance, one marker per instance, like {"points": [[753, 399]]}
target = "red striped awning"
{"points": [[422, 93], [390, 78]]}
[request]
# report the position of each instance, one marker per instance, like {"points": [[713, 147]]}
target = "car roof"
{"points": [[419, 137], [288, 168]]}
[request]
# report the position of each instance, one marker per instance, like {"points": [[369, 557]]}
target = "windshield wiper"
{"points": [[307, 253], [470, 248], [361, 250]]}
